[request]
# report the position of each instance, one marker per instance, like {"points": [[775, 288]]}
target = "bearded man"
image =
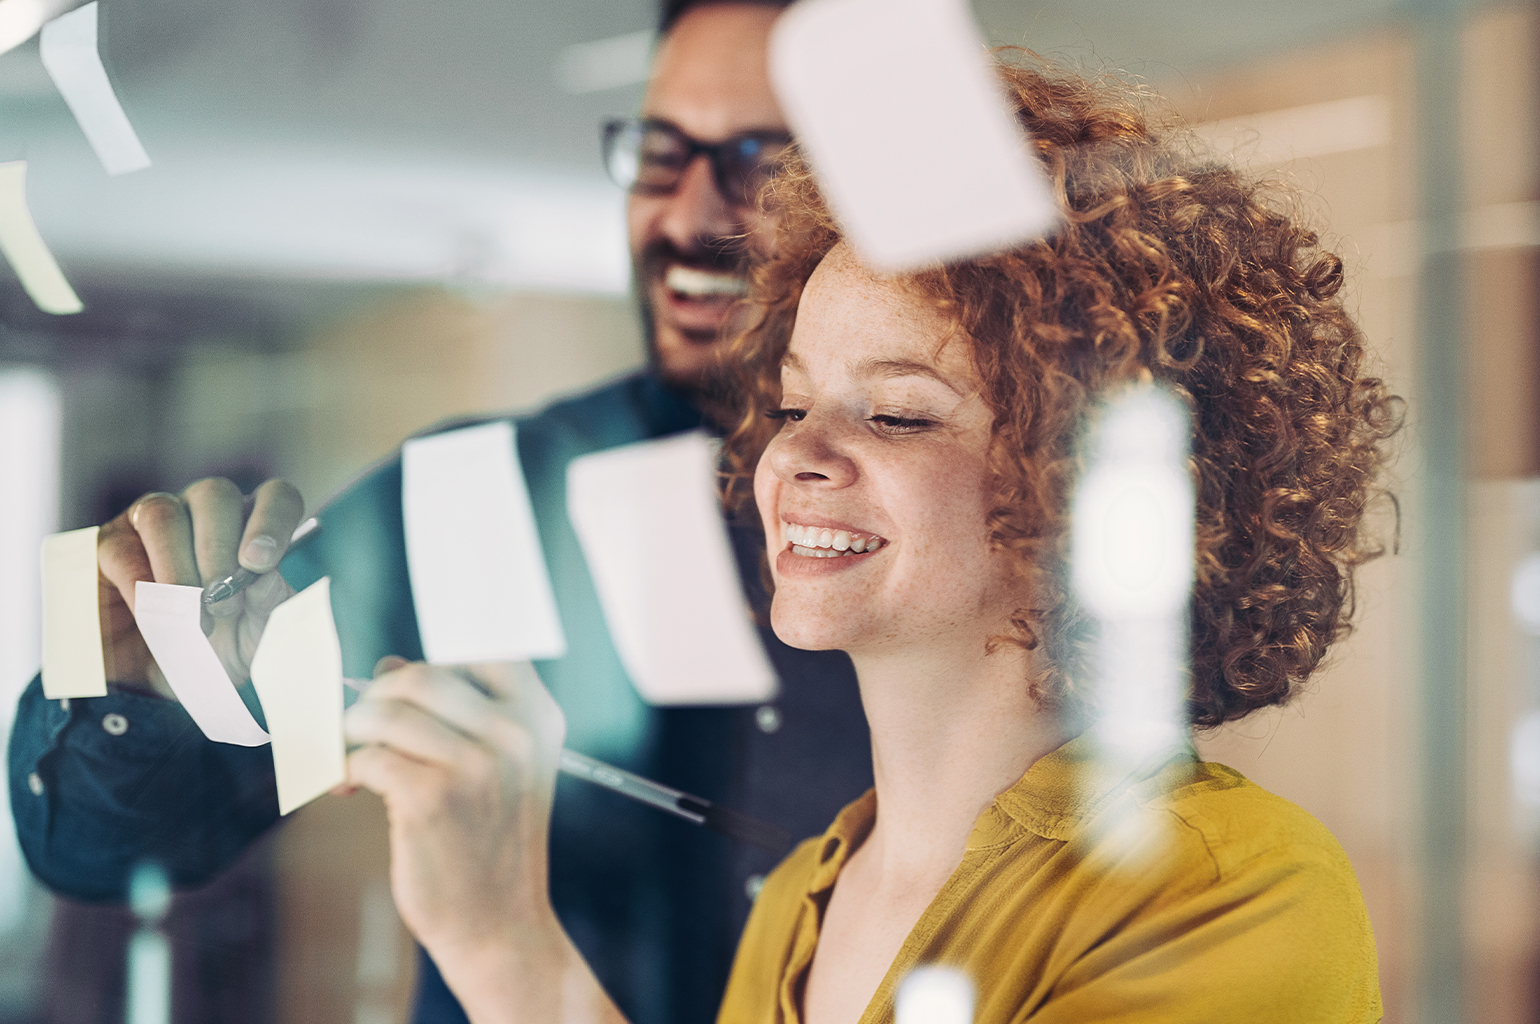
{"points": [[99, 785]]}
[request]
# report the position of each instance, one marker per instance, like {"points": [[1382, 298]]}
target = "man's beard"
{"points": [[720, 256]]}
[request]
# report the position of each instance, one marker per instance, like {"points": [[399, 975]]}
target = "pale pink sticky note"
{"points": [[169, 619], [23, 245], [68, 47], [900, 114], [297, 671], [676, 613], [72, 627], [479, 580]]}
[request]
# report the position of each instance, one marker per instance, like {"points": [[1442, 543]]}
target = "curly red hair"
{"points": [[1166, 265]]}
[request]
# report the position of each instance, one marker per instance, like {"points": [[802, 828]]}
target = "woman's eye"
{"points": [[795, 415], [900, 424]]}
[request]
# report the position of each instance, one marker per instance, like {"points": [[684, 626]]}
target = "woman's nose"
{"points": [[810, 452]]}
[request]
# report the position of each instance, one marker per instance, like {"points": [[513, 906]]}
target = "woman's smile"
{"points": [[818, 550], [876, 489]]}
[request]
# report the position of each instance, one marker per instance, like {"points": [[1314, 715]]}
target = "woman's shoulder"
{"points": [[1236, 825], [1196, 880]]}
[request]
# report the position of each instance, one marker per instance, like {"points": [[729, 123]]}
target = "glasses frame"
{"points": [[718, 153]]}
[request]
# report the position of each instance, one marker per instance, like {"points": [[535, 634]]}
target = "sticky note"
{"points": [[170, 620], [473, 554], [648, 519], [20, 19], [68, 47], [297, 671], [72, 625], [901, 116], [24, 247]]}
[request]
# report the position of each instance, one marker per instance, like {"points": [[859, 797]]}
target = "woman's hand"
{"points": [[466, 761], [192, 539]]}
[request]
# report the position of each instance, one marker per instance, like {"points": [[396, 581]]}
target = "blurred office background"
{"points": [[367, 215]]}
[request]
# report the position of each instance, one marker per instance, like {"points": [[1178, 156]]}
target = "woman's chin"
{"points": [[806, 630]]}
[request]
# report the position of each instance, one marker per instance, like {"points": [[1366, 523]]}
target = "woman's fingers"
{"points": [[451, 694], [407, 728], [387, 664], [517, 684], [403, 781]]}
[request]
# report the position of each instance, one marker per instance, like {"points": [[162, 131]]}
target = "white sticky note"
{"points": [[24, 247], [169, 619], [901, 116], [68, 47], [297, 671], [72, 625], [473, 553], [20, 19], [648, 519]]}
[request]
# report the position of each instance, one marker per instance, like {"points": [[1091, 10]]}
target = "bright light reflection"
{"points": [[934, 995], [1132, 567], [29, 466]]}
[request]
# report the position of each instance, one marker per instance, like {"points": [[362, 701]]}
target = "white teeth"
{"points": [[813, 542], [689, 281]]}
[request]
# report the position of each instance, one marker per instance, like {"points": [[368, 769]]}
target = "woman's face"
{"points": [[875, 491]]}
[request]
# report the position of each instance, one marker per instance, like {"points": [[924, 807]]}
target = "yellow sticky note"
{"points": [[25, 249], [297, 671], [72, 627]]}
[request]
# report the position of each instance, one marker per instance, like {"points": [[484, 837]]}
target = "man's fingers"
{"points": [[214, 505], [165, 530], [121, 558], [276, 510]]}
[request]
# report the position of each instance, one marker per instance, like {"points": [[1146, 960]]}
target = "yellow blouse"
{"points": [[1181, 895]]}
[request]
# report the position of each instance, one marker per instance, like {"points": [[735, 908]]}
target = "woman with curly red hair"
{"points": [[913, 443]]}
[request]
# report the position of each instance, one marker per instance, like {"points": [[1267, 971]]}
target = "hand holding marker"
{"points": [[739, 827]]}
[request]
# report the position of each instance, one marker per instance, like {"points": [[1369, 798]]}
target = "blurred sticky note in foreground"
{"points": [[25, 249], [297, 671], [20, 19], [473, 552], [170, 619], [72, 626], [647, 517], [68, 47], [899, 111]]}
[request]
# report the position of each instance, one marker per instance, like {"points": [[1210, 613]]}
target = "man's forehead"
{"points": [[710, 76]]}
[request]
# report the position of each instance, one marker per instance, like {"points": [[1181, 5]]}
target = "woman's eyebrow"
{"points": [[889, 368]]}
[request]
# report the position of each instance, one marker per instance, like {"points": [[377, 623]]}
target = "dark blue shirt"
{"points": [[654, 903]]}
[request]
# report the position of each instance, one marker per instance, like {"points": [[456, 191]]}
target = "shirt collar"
{"points": [[1054, 799]]}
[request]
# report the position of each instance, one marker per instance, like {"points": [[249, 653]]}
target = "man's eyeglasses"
{"points": [[650, 157]]}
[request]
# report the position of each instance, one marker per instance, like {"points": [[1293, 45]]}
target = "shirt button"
{"points": [[768, 718], [752, 885], [64, 703], [114, 724], [35, 783]]}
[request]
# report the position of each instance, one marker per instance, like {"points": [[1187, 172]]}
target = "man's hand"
{"points": [[194, 538], [466, 761]]}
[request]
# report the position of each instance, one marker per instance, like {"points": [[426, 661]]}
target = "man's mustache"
{"points": [[724, 256]]}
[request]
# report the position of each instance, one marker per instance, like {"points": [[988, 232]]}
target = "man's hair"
{"points": [[1167, 265], [671, 11]]}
